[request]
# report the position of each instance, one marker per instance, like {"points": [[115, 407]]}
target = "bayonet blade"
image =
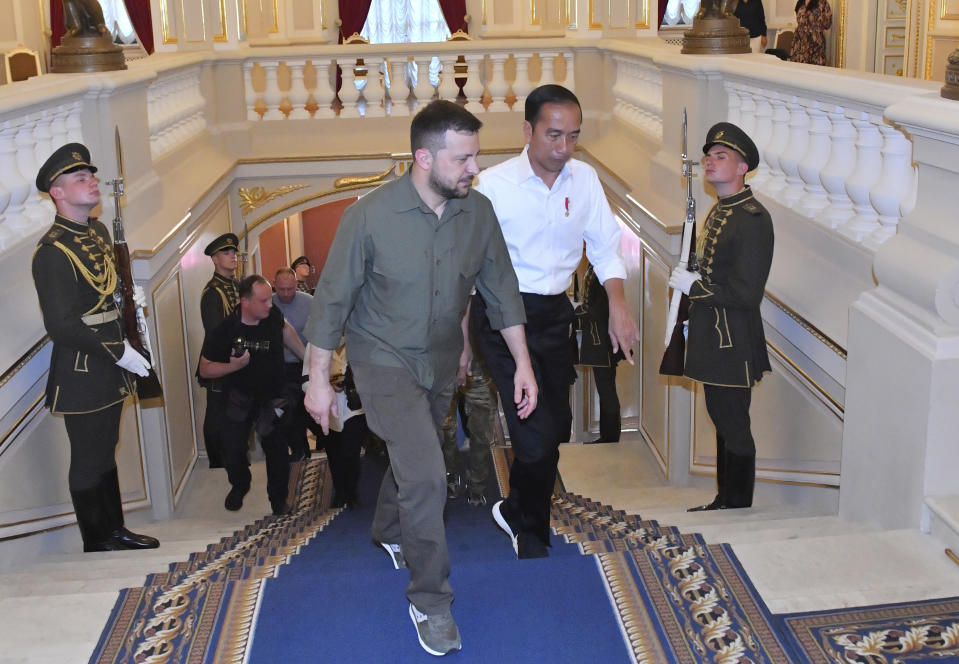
{"points": [[119, 149]]}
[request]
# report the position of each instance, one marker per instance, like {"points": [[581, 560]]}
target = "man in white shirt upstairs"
{"points": [[548, 204]]}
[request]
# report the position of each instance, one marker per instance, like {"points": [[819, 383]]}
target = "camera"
{"points": [[240, 344]]}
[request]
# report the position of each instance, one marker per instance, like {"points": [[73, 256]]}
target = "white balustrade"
{"points": [[778, 141], [448, 89], [838, 169], [813, 197], [424, 89], [26, 142], [250, 96], [895, 184], [272, 96], [474, 87], [638, 95], [762, 118], [176, 109], [374, 91], [794, 151], [325, 91], [399, 88], [522, 85], [349, 94], [864, 177], [498, 85]]}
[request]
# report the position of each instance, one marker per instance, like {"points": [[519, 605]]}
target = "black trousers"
{"points": [[299, 420], [609, 418], [343, 453], [93, 443], [728, 408], [535, 440], [237, 424], [213, 425]]}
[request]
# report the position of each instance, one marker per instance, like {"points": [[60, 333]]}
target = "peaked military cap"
{"points": [[71, 157], [728, 134], [225, 241], [300, 261]]}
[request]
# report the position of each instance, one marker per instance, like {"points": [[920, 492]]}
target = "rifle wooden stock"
{"points": [[148, 387]]}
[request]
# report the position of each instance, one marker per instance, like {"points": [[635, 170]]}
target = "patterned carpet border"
{"points": [[203, 610]]}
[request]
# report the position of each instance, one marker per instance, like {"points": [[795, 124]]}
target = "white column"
{"points": [[777, 144], [374, 92], [447, 88], [25, 143], [761, 111], [349, 95], [498, 87], [814, 161], [897, 182], [272, 96], [298, 95], [424, 90], [522, 85], [399, 88], [474, 87], [548, 75], [864, 177], [325, 91], [842, 161], [249, 97], [795, 151]]}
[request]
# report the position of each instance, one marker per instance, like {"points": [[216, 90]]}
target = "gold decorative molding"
{"points": [[22, 362], [843, 23], [254, 197], [591, 18], [824, 396], [533, 18], [927, 73], [806, 325], [222, 37], [644, 23], [165, 23], [351, 180]]}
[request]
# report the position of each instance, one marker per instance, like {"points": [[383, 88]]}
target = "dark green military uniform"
{"points": [[76, 277], [219, 298], [596, 351], [726, 344]]}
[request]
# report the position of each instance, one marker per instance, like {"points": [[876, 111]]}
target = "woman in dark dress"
{"points": [[813, 18]]}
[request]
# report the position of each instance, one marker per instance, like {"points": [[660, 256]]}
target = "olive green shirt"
{"points": [[399, 278]]}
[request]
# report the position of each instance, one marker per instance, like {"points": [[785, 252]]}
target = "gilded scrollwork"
{"points": [[253, 197]]}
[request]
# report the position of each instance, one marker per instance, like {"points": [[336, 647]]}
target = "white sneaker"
{"points": [[396, 554], [504, 525]]}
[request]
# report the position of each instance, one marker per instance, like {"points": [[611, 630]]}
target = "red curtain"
{"points": [[140, 16], [662, 12], [454, 11], [142, 19], [57, 25], [353, 15]]}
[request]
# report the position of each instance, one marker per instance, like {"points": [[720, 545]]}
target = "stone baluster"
{"points": [[777, 144], [762, 112], [399, 88], [58, 125], [374, 92], [325, 91], [26, 144], [14, 180], [474, 87], [864, 177], [272, 96], [74, 126], [250, 94], [349, 94], [842, 161], [570, 80], [734, 103], [522, 85], [896, 183], [298, 94], [6, 159], [548, 69], [814, 161], [424, 89], [42, 149], [448, 89], [498, 86], [795, 150]]}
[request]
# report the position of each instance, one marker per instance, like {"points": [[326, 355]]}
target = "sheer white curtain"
{"points": [[403, 21], [680, 12], [117, 20]]}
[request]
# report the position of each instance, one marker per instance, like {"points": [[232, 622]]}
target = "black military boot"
{"points": [[94, 521], [741, 478], [719, 502], [113, 505]]}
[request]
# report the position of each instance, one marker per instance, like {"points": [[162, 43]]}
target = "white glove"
{"points": [[683, 279], [139, 297], [132, 361]]}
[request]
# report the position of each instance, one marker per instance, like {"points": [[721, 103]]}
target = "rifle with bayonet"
{"points": [[674, 357], [134, 323], [245, 254]]}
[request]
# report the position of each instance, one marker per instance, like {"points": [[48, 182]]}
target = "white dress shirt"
{"points": [[545, 228]]}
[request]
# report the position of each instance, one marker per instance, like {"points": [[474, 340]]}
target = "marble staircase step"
{"points": [[835, 571], [943, 520], [787, 528]]}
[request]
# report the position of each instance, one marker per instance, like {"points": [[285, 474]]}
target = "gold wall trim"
{"points": [[591, 19], [822, 393], [952, 556], [22, 362], [644, 23], [806, 325], [350, 180], [533, 18], [276, 20], [843, 23], [255, 197], [927, 70], [301, 201], [222, 37], [165, 23]]}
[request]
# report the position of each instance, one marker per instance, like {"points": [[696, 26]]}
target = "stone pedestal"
{"points": [[716, 36], [85, 53], [951, 89]]}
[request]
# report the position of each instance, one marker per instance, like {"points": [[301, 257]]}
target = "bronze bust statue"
{"points": [[716, 8], [83, 18]]}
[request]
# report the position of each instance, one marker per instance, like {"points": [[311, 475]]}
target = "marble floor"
{"points": [[799, 558]]}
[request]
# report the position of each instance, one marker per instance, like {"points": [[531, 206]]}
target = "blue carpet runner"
{"points": [[616, 588]]}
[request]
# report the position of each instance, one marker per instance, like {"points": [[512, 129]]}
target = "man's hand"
{"points": [[623, 332], [463, 371], [139, 297], [320, 403], [525, 390], [133, 362], [683, 280], [241, 362]]}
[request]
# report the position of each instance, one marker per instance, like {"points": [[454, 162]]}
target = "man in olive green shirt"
{"points": [[399, 274]]}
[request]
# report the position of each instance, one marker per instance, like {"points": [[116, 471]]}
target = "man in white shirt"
{"points": [[548, 204]]}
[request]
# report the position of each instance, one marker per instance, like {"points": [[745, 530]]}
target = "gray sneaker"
{"points": [[396, 554], [436, 633]]}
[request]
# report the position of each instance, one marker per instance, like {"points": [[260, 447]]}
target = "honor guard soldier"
{"points": [[218, 301], [303, 269], [726, 344], [92, 365]]}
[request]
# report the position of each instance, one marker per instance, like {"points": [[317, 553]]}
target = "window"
{"points": [[680, 12], [117, 20]]}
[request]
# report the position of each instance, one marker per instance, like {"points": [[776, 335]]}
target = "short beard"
{"points": [[445, 191]]}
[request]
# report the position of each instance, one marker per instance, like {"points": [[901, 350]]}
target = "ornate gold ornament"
{"points": [[254, 197], [353, 180]]}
